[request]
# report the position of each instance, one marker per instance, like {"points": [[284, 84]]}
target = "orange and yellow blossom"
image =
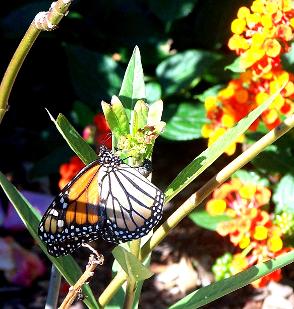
{"points": [[262, 33], [251, 228], [242, 96]]}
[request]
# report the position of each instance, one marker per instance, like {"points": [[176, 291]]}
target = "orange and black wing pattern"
{"points": [[75, 216]]}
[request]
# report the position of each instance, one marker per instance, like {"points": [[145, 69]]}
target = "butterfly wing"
{"points": [[76, 215], [133, 205]]}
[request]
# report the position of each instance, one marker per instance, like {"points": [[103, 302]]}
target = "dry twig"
{"points": [[75, 291]]}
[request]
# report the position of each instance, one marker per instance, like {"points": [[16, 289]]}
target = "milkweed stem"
{"points": [[43, 21], [195, 199]]}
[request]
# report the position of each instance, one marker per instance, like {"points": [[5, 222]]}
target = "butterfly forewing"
{"points": [[74, 216]]}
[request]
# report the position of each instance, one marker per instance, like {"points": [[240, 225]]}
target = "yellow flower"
{"points": [[251, 56], [238, 26], [228, 121], [210, 103], [245, 242], [247, 191], [243, 12], [239, 263], [260, 233], [275, 244], [257, 6], [206, 130], [261, 97], [272, 48], [216, 207]]}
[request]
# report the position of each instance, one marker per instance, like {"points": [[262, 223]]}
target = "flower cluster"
{"points": [[98, 134], [260, 36], [250, 228]]}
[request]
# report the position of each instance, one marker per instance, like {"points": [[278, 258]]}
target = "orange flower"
{"points": [[69, 170]]}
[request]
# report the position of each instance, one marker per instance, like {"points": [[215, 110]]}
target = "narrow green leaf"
{"points": [[121, 115], [130, 264], [73, 139], [218, 289], [133, 86], [205, 220], [31, 218], [155, 113], [207, 157], [186, 123], [283, 196], [140, 116], [116, 117]]}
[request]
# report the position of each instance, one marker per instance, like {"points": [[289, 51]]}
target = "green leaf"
{"points": [[283, 196], [118, 299], [186, 123], [31, 218], [168, 11], [223, 287], [251, 177], [205, 220], [153, 92], [288, 60], [133, 86], [235, 66], [130, 264], [94, 76], [116, 117], [82, 114], [275, 160], [74, 140], [183, 69], [210, 92], [207, 157]]}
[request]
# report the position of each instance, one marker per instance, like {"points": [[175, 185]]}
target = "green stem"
{"points": [[53, 17], [135, 247], [194, 200], [53, 291]]}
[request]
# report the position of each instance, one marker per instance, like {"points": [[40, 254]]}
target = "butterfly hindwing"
{"points": [[133, 205]]}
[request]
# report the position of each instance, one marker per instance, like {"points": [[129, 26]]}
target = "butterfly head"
{"points": [[106, 157]]}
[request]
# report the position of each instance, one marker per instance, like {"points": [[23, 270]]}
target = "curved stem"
{"points": [[48, 22], [195, 199]]}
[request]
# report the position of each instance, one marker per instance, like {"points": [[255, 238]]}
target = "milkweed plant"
{"points": [[247, 207]]}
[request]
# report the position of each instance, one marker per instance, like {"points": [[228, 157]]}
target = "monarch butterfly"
{"points": [[107, 199]]}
